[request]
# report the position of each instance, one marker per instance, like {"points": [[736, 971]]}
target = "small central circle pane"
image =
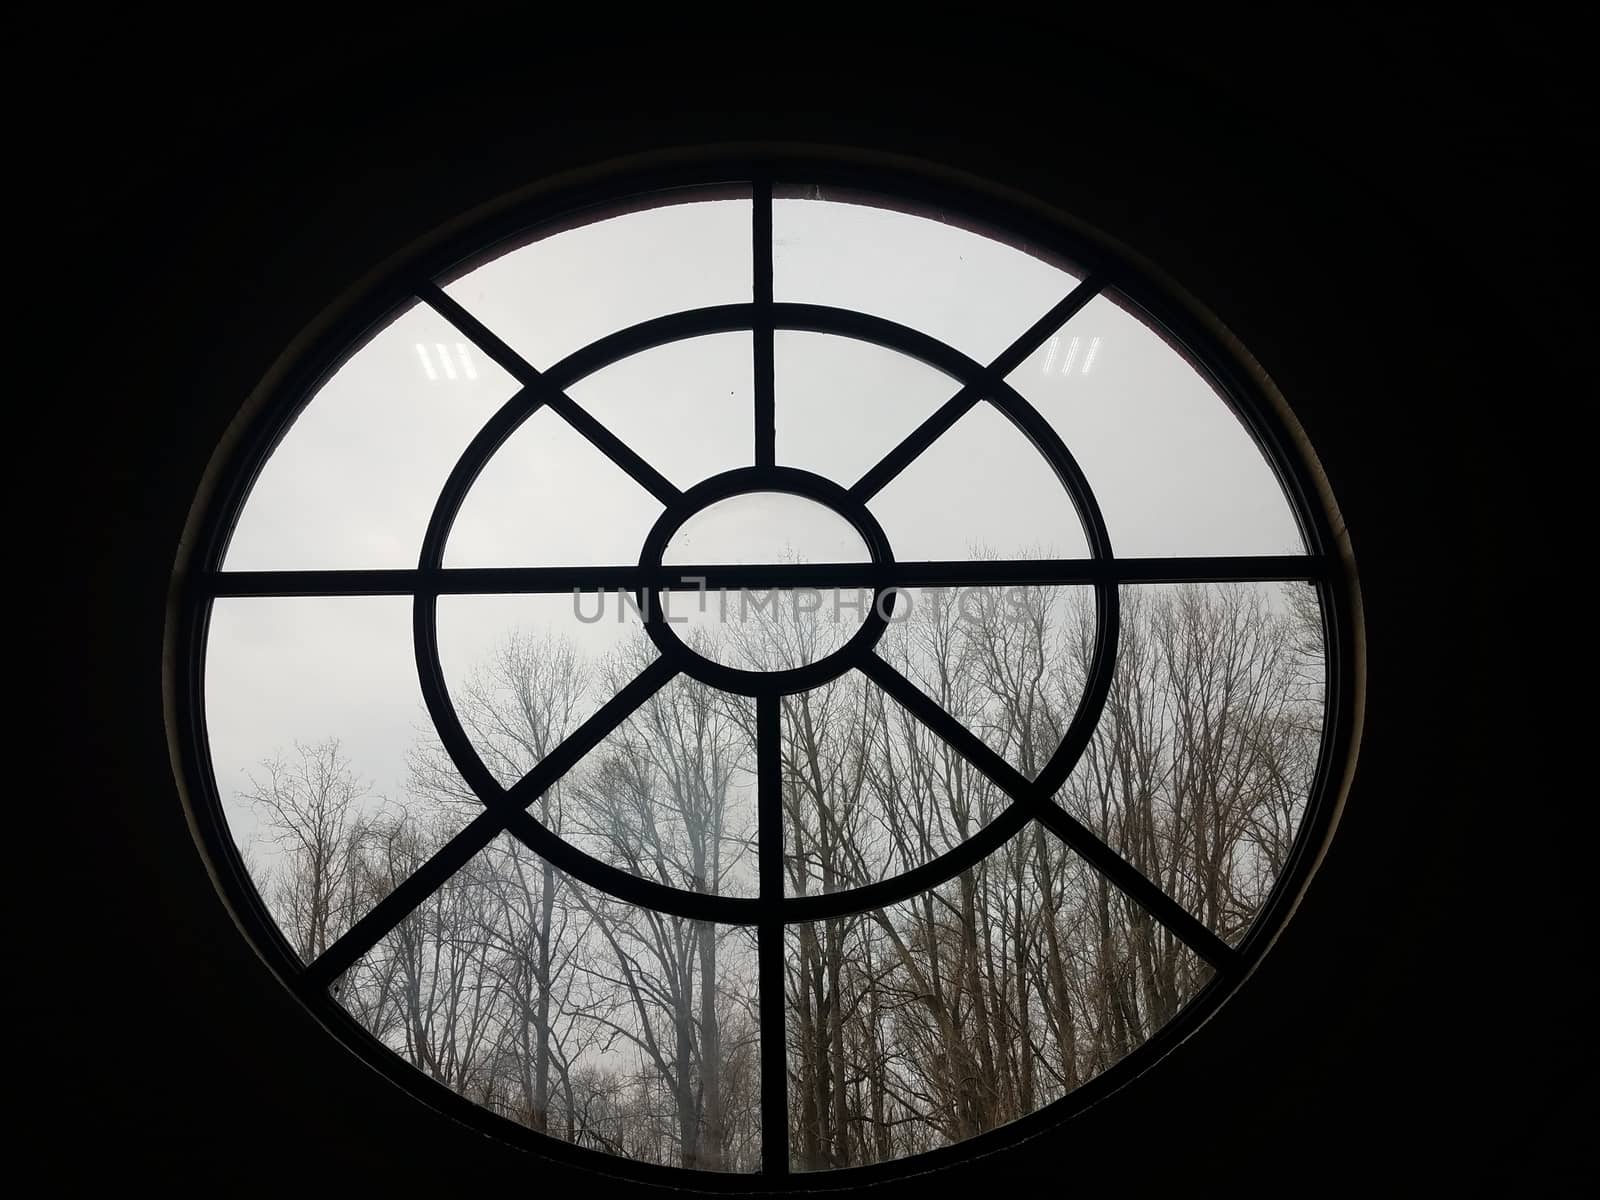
{"points": [[774, 629], [765, 527]]}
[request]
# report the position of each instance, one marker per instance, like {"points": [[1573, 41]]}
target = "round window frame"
{"points": [[497, 227]]}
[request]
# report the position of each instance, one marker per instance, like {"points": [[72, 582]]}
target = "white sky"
{"points": [[355, 479]]}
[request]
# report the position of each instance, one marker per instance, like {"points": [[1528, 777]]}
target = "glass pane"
{"points": [[765, 527], [967, 290], [688, 407], [1174, 470], [670, 794], [355, 478], [772, 630], [1200, 769], [558, 293], [980, 491], [1004, 662], [313, 715], [569, 1012], [523, 672], [843, 404], [547, 497], [970, 1005]]}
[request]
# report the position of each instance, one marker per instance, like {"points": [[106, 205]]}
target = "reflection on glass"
{"points": [[1200, 768], [557, 294], [1174, 470], [968, 1006], [355, 478], [312, 713], [981, 488], [967, 290], [564, 1010]]}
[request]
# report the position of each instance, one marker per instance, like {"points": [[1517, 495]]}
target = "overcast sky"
{"points": [[353, 482]]}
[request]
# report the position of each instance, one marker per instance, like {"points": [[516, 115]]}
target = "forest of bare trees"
{"points": [[939, 1017]]}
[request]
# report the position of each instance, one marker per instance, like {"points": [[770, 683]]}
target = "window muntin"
{"points": [[989, 804]]}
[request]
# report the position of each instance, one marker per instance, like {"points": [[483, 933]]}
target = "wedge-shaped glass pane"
{"points": [[1175, 471], [557, 293], [547, 497], [567, 1011], [1201, 766], [868, 790], [313, 716], [669, 795], [968, 1006], [355, 478], [969, 291], [688, 406], [981, 490], [1006, 663], [524, 672], [843, 404]]}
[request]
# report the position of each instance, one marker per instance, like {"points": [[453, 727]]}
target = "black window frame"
{"points": [[1326, 564]]}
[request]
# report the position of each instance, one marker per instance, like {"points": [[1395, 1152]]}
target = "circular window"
{"points": [[773, 677]]}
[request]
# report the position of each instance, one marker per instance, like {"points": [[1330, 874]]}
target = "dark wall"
{"points": [[1382, 217]]}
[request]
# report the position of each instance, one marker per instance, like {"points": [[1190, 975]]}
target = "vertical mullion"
{"points": [[770, 956], [766, 429]]}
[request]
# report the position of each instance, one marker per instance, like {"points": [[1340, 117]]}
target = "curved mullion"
{"points": [[1023, 791], [953, 409], [646, 335], [625, 885], [550, 395]]}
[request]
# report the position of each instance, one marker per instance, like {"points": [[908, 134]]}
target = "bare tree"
{"points": [[314, 810], [944, 1015], [517, 706], [660, 800]]}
